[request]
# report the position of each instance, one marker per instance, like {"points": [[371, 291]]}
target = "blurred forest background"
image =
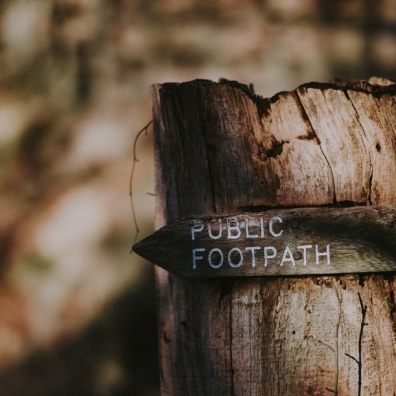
{"points": [[77, 311]]}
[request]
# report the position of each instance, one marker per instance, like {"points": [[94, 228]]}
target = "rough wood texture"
{"points": [[300, 241], [221, 149]]}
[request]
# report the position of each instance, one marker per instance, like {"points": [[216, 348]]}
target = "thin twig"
{"points": [[135, 160]]}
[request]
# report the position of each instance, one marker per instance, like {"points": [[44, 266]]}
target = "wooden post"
{"points": [[221, 149]]}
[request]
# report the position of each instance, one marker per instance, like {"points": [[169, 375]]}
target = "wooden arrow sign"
{"points": [[288, 242]]}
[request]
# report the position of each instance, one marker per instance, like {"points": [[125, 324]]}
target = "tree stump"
{"points": [[220, 148]]}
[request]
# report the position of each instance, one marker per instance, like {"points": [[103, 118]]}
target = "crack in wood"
{"points": [[392, 305], [231, 354], [339, 298], [389, 119], [321, 343], [312, 130], [331, 390], [209, 163], [362, 324], [353, 358], [358, 360], [366, 146]]}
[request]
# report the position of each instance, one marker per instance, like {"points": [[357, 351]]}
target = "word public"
{"points": [[266, 248]]}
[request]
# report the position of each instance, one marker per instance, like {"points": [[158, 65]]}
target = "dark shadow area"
{"points": [[116, 355]]}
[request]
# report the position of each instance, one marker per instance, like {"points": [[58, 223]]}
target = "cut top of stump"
{"points": [[321, 144]]}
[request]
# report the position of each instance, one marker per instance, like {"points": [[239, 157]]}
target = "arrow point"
{"points": [[137, 248]]}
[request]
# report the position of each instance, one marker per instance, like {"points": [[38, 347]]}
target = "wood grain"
{"points": [[320, 241], [221, 149]]}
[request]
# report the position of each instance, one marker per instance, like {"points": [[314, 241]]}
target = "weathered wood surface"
{"points": [[221, 149], [277, 242]]}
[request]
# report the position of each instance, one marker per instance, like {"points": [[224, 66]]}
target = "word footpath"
{"points": [[277, 242], [254, 229]]}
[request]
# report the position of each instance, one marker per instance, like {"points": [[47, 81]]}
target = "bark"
{"points": [[221, 149]]}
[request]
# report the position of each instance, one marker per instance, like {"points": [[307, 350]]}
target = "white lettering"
{"points": [[197, 226], [248, 235], [288, 257], [220, 263], [267, 255], [322, 254], [220, 230], [253, 250], [271, 229], [230, 253], [233, 225], [195, 257], [304, 248], [261, 227]]}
